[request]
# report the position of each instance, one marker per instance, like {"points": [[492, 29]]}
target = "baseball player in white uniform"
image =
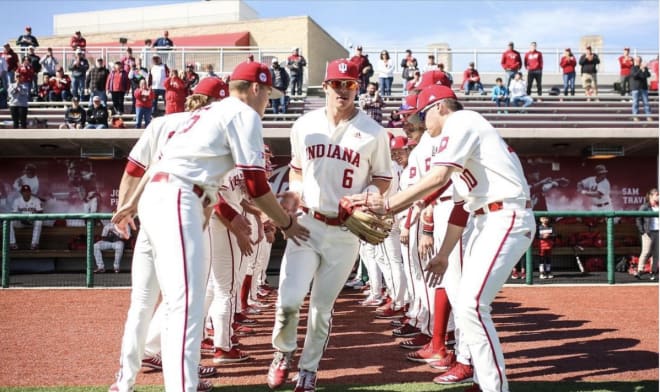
{"points": [[496, 193], [598, 189], [110, 239], [26, 204], [335, 150], [145, 289], [184, 184]]}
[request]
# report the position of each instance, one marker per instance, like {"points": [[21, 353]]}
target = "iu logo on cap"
{"points": [[343, 67], [222, 93], [263, 77]]}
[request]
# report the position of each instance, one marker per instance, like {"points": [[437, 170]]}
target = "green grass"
{"points": [[560, 386]]}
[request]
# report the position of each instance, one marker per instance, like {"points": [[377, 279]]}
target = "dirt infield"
{"points": [[605, 333]]}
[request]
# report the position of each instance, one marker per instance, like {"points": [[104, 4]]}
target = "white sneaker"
{"points": [[543, 276]]}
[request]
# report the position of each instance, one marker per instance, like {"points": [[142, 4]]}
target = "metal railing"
{"points": [[609, 235], [90, 220]]}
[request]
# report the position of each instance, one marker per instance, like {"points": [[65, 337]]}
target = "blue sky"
{"points": [[415, 24]]}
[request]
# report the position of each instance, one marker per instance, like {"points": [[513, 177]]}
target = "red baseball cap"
{"points": [[252, 72], [341, 69], [432, 94], [409, 105], [411, 142], [433, 77], [398, 142], [212, 87]]}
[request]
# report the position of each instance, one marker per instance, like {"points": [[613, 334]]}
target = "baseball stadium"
{"points": [[252, 195]]}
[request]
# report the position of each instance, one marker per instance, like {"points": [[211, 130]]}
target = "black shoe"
{"points": [[638, 277]]}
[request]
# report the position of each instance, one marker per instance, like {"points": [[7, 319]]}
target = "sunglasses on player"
{"points": [[343, 84]]}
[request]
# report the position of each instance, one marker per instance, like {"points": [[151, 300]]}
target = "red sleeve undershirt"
{"points": [[225, 210], [134, 170], [256, 182]]}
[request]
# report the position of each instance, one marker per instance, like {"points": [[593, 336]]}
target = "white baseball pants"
{"points": [[100, 246]]}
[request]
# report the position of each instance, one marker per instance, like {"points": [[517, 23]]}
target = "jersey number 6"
{"points": [[347, 181]]}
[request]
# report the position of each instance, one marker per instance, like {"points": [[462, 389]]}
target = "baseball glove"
{"points": [[366, 225]]}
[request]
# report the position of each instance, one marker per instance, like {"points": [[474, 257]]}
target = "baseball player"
{"points": [[488, 177], [335, 151], [110, 239], [26, 204], [145, 287], [598, 189], [184, 184]]}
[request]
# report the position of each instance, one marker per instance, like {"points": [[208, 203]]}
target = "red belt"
{"points": [[444, 198], [165, 177], [323, 218], [496, 206]]}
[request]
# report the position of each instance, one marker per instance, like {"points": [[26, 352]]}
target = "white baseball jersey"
{"points": [[147, 149], [490, 170], [349, 155], [396, 178], [233, 189], [33, 182], [214, 140], [590, 184], [31, 206]]}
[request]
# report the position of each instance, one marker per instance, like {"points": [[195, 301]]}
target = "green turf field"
{"points": [[559, 386]]}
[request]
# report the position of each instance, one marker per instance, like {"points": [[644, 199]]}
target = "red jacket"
{"points": [[144, 98], [12, 59], [117, 81], [57, 87], [175, 95], [24, 73], [567, 64], [78, 42], [534, 61], [511, 60], [470, 73], [626, 65]]}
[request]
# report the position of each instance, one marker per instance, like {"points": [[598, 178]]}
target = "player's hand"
{"points": [[260, 231], [290, 201], [269, 231], [425, 247], [436, 269], [123, 218], [405, 236], [296, 232], [373, 201], [240, 225], [244, 243]]}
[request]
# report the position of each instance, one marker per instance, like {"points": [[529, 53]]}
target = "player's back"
{"points": [[147, 149]]}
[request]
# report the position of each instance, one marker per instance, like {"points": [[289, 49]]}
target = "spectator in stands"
{"points": [[500, 95], [44, 89], [128, 60], [25, 73], [395, 120], [511, 63], [414, 82], [365, 69], [144, 100], [625, 66], [75, 116], [280, 82], [97, 114], [518, 92], [639, 88], [191, 78], [117, 84], [60, 87], [408, 67], [35, 61], [210, 73], [157, 75], [385, 73], [78, 42], [654, 67], [96, 81], [588, 70], [3, 71], [567, 64], [19, 96], [11, 58], [79, 67], [110, 239], [648, 229], [472, 80], [49, 63], [26, 204], [29, 177], [296, 64], [136, 74], [430, 64], [26, 39], [534, 64], [546, 236], [163, 46], [598, 189], [175, 93], [441, 67], [372, 103], [145, 52]]}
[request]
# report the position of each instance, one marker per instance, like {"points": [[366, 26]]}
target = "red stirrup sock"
{"points": [[441, 313], [245, 291]]}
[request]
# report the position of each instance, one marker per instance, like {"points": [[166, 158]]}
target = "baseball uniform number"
{"points": [[347, 182]]}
